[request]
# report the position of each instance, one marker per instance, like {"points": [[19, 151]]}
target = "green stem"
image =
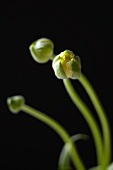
{"points": [[88, 117], [102, 116], [59, 130]]}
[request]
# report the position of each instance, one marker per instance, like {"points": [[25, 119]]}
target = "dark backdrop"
{"points": [[82, 26]]}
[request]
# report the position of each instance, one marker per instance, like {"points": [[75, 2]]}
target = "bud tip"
{"points": [[15, 103]]}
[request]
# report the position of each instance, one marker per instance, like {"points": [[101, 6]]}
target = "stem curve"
{"points": [[59, 130]]}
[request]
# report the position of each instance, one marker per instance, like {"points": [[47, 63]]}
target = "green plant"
{"points": [[67, 66]]}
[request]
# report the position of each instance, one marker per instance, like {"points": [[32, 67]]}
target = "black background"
{"points": [[84, 27]]}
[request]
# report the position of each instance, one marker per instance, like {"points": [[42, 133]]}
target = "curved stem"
{"points": [[88, 117], [64, 159], [102, 116], [59, 130]]}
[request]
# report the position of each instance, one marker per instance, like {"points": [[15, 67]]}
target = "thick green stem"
{"points": [[59, 130], [102, 116], [89, 118]]}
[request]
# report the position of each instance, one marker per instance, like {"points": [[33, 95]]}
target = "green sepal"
{"points": [[76, 67], [57, 67]]}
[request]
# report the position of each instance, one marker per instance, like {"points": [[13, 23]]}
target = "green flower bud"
{"points": [[15, 103], [67, 65], [42, 50]]}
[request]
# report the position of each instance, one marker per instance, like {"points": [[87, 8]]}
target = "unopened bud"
{"points": [[67, 65], [15, 103], [42, 50]]}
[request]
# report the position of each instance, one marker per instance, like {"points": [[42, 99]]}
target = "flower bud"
{"points": [[15, 103], [42, 50], [67, 65]]}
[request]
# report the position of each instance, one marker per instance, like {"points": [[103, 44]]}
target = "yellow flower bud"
{"points": [[15, 103], [42, 50], [67, 65]]}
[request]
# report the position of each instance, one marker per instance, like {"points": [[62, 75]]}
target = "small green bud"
{"points": [[67, 65], [42, 50], [15, 103]]}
